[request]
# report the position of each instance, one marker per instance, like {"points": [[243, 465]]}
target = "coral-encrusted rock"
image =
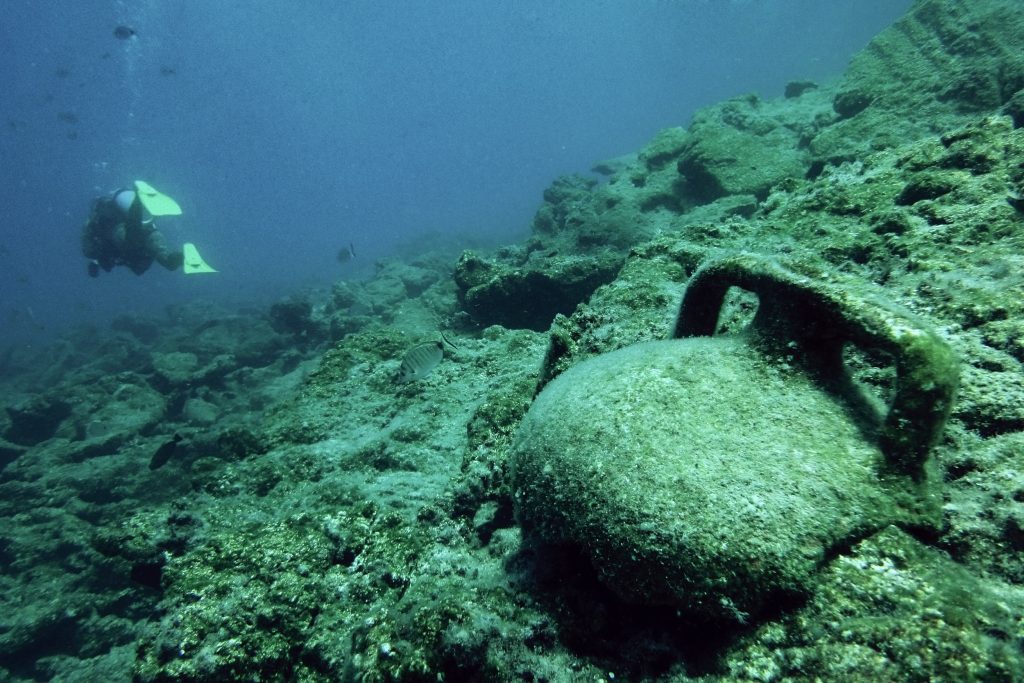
{"points": [[563, 201], [745, 145], [666, 147], [530, 297], [939, 62], [175, 368]]}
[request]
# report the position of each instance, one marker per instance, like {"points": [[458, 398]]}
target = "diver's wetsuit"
{"points": [[112, 238]]}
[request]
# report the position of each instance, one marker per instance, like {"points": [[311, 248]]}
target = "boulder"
{"points": [[746, 145], [530, 297], [36, 419]]}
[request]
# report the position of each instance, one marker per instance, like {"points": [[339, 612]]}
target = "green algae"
{"points": [[332, 526]]}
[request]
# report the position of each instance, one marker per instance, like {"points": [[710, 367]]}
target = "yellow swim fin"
{"points": [[194, 263], [156, 203]]}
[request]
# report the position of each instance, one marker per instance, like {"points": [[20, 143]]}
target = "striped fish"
{"points": [[420, 361]]}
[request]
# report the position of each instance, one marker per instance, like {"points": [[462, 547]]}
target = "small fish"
{"points": [[346, 254], [122, 32], [164, 453], [420, 361]]}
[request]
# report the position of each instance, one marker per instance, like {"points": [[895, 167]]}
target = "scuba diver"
{"points": [[120, 232]]}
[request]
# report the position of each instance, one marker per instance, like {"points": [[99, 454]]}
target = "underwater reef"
{"points": [[747, 407]]}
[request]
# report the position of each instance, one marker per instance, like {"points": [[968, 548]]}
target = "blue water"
{"points": [[287, 129]]}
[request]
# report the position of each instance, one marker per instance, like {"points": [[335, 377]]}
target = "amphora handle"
{"points": [[820, 319]]}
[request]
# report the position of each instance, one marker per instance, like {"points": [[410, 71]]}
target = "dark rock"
{"points": [[148, 574], [1014, 530], [978, 147], [472, 271], [798, 88], [105, 445], [925, 186], [490, 517], [890, 223], [1014, 108], [610, 167], [568, 187], [562, 200], [36, 420], [238, 443], [530, 297], [665, 148], [850, 103], [293, 317]]}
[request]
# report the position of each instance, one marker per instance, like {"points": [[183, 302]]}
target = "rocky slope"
{"points": [[322, 521]]}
